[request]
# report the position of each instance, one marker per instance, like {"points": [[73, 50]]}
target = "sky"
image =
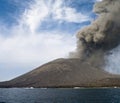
{"points": [[34, 32]]}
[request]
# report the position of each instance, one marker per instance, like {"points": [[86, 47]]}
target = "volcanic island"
{"points": [[85, 66]]}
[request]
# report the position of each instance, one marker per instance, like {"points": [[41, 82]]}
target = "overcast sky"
{"points": [[33, 32]]}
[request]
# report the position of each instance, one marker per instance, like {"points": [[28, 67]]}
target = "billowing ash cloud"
{"points": [[103, 34]]}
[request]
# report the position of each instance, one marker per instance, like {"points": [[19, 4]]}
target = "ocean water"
{"points": [[22, 95]]}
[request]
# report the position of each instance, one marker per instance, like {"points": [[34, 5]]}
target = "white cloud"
{"points": [[99, 0], [37, 12], [34, 15], [35, 48], [68, 14]]}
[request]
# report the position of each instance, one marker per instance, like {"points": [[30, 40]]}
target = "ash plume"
{"points": [[103, 34]]}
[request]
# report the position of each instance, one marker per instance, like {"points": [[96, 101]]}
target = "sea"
{"points": [[60, 95]]}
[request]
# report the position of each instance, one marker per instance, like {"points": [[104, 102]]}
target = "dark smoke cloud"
{"points": [[103, 34]]}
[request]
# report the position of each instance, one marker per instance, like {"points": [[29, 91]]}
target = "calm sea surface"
{"points": [[17, 95]]}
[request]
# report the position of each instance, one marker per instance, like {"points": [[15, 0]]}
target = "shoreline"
{"points": [[115, 87]]}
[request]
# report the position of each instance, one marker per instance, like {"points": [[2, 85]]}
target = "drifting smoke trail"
{"points": [[113, 61], [103, 34]]}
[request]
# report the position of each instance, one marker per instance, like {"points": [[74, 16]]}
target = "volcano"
{"points": [[94, 43], [65, 73]]}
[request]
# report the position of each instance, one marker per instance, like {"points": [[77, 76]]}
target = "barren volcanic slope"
{"points": [[64, 73]]}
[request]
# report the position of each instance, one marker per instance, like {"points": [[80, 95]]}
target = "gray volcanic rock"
{"points": [[65, 73]]}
